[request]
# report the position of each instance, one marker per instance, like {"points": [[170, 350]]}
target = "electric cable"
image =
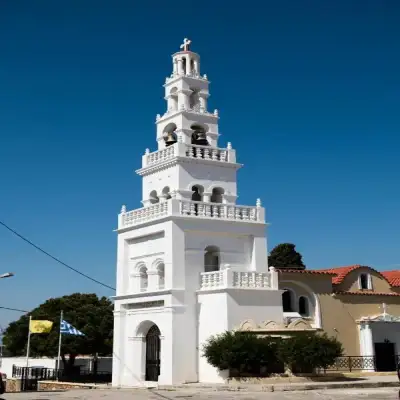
{"points": [[54, 258]]}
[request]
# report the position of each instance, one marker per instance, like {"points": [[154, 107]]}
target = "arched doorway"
{"points": [[153, 347]]}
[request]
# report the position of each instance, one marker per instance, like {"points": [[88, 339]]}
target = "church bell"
{"points": [[200, 138], [169, 138]]}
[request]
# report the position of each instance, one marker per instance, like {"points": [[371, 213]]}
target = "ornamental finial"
{"points": [[258, 203], [123, 209], [186, 44]]}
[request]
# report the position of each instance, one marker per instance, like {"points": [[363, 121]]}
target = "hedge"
{"points": [[248, 354]]}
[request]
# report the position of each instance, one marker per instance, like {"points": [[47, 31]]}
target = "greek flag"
{"points": [[67, 329]]}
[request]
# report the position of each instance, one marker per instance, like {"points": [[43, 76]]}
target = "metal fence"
{"points": [[359, 363], [31, 375]]}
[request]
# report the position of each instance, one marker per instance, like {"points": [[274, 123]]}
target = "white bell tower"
{"points": [[191, 262]]}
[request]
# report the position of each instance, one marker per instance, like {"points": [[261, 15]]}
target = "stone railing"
{"points": [[221, 211], [160, 155], [228, 278], [189, 151], [144, 214], [191, 209]]}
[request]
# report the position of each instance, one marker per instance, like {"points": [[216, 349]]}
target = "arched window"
{"points": [[364, 282], [166, 193], [216, 196], [153, 197], [144, 280], [287, 301], [211, 259], [304, 309], [161, 275]]}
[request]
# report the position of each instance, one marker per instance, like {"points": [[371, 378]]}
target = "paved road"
{"points": [[338, 394]]}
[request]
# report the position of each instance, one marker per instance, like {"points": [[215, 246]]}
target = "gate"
{"points": [[385, 357], [153, 345]]}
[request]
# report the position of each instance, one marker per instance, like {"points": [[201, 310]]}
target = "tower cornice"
{"points": [[151, 169]]}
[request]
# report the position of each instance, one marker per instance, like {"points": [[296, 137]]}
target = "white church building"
{"points": [[191, 262]]}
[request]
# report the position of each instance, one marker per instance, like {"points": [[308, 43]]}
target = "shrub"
{"points": [[243, 353], [305, 352]]}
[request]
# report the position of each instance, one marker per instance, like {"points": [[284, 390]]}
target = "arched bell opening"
{"points": [[199, 135], [153, 197], [169, 134], [166, 193], [217, 195], [197, 195]]}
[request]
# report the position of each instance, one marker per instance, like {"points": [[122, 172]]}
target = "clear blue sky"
{"points": [[308, 93]]}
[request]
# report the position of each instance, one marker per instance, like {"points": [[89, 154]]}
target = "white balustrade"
{"points": [[207, 153], [144, 214], [160, 155], [192, 209], [220, 211], [235, 279], [190, 151]]}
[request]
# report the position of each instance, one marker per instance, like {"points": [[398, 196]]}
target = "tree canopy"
{"points": [[88, 313], [285, 256]]}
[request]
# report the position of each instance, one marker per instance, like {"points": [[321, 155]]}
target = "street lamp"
{"points": [[7, 275]]}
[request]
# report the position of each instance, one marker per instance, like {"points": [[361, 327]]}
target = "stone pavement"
{"points": [[115, 394]]}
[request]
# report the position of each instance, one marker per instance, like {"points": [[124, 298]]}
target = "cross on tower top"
{"points": [[186, 44]]}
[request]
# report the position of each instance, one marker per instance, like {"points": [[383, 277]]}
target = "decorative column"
{"points": [[188, 66], [175, 67], [203, 102], [153, 280], [180, 66], [366, 339], [196, 66]]}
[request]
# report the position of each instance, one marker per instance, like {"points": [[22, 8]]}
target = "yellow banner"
{"points": [[40, 326]]}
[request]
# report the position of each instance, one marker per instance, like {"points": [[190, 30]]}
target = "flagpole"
{"points": [[29, 342], [59, 345]]}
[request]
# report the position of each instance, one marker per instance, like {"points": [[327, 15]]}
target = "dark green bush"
{"points": [[247, 354], [243, 353], [305, 352]]}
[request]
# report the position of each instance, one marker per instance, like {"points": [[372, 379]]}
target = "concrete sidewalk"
{"points": [[279, 386]]}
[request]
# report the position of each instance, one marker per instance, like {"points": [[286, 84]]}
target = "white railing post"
{"points": [[274, 278], [180, 149], [175, 207], [231, 153], [228, 277]]}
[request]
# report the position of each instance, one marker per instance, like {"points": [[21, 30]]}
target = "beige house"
{"points": [[356, 304]]}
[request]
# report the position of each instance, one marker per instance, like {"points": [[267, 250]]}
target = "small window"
{"points": [[364, 282], [304, 306], [287, 301]]}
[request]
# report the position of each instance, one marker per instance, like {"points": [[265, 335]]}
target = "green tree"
{"points": [[285, 256], [91, 315], [304, 352]]}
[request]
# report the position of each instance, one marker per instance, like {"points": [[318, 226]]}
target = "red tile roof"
{"points": [[342, 272], [306, 271], [393, 277], [369, 293]]}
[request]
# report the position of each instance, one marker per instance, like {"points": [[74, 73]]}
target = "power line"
{"points": [[13, 309], [54, 258]]}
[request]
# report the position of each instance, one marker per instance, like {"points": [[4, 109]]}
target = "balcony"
{"points": [[189, 151], [191, 209], [228, 279]]}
